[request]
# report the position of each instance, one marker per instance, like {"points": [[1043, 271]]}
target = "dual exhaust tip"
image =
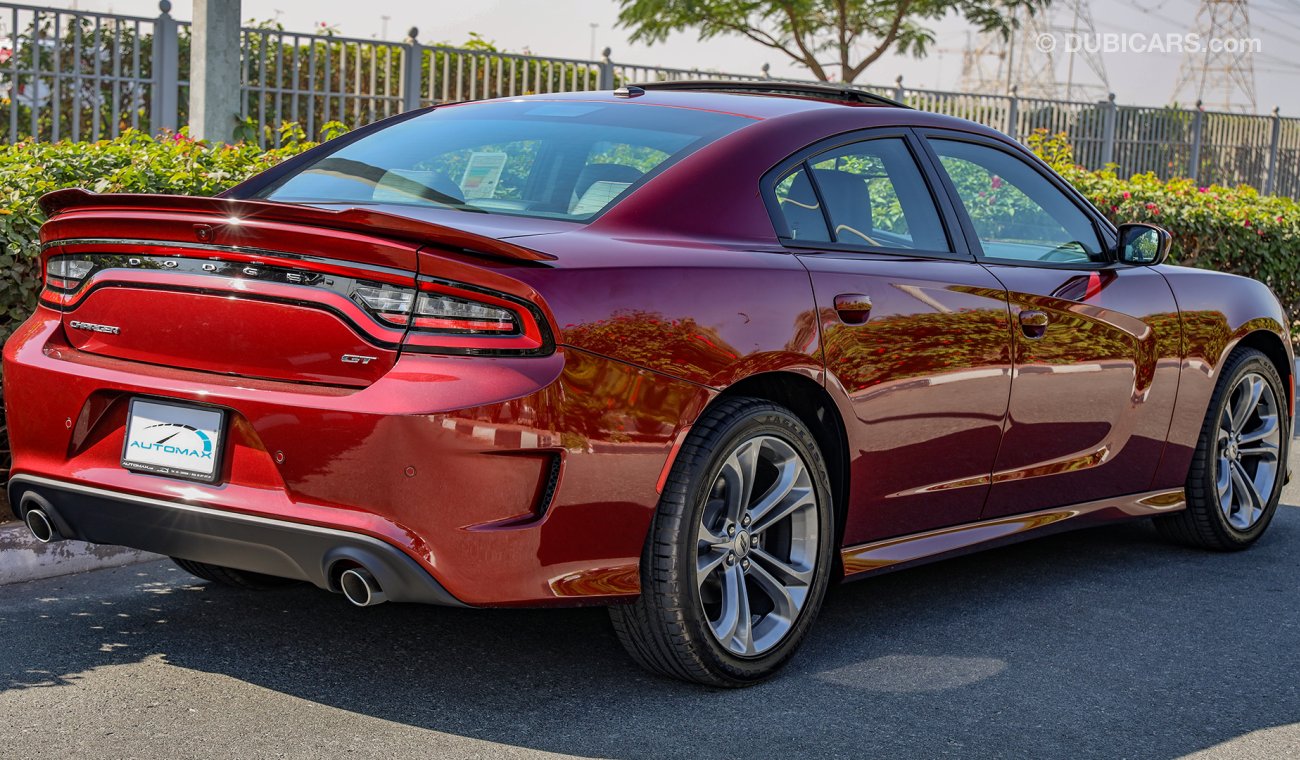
{"points": [[36, 515], [42, 528], [361, 588], [356, 583]]}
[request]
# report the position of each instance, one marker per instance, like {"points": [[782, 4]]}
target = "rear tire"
{"points": [[1238, 469], [740, 551], [228, 576]]}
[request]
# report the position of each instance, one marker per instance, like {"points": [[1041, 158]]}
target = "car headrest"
{"points": [[593, 173], [401, 185], [849, 201]]}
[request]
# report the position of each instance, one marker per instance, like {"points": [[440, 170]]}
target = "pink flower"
{"points": [[996, 182], [1114, 208], [1127, 195], [1247, 222], [1202, 189]]}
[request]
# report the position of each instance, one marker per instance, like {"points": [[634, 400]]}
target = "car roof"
{"points": [[765, 101], [754, 106]]}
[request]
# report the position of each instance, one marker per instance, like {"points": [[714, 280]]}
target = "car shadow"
{"points": [[1104, 642]]}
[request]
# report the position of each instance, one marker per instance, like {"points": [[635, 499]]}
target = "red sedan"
{"points": [[691, 351]]}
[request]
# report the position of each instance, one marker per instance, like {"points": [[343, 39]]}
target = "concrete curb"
{"points": [[23, 558]]}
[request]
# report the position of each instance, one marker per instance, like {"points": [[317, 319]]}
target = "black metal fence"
{"points": [[79, 75]]}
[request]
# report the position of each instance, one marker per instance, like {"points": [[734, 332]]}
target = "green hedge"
{"points": [[133, 163], [1230, 229]]}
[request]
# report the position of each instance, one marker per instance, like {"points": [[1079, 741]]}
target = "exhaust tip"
{"points": [[360, 587], [41, 527]]}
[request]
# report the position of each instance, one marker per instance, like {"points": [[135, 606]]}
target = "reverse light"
{"points": [[64, 275], [391, 303]]}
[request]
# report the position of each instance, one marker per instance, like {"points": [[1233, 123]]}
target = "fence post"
{"points": [[899, 92], [1013, 113], [605, 79], [1271, 181], [165, 103], [1108, 130], [215, 49], [412, 70], [1198, 124]]}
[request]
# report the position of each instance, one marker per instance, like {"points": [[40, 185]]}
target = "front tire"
{"points": [[1238, 469], [740, 551]]}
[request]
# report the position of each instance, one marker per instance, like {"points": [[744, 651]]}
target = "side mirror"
{"points": [[1143, 244]]}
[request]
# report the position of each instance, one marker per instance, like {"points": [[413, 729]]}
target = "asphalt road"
{"points": [[1101, 643]]}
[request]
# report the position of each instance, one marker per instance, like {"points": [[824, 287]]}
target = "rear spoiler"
{"points": [[362, 220]]}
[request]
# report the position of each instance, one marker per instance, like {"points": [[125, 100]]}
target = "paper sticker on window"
{"points": [[482, 174]]}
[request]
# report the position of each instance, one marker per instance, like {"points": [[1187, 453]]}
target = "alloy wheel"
{"points": [[757, 549], [1249, 439]]}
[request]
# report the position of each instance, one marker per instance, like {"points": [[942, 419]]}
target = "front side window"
{"points": [[556, 159], [1018, 213]]}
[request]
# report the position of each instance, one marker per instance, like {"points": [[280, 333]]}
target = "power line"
{"points": [[1220, 76]]}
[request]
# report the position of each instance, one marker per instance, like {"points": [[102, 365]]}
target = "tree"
{"points": [[853, 33]]}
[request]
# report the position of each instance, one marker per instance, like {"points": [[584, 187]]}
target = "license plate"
{"points": [[176, 440]]}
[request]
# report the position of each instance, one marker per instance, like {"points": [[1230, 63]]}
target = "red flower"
{"points": [[1247, 222], [996, 182], [1127, 195]]}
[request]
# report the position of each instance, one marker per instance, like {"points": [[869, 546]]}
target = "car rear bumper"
{"points": [[507, 481], [229, 539]]}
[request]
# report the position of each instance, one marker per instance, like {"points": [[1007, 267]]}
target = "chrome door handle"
{"points": [[1033, 323], [853, 308]]}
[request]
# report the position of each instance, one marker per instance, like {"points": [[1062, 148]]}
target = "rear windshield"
{"points": [[556, 159]]}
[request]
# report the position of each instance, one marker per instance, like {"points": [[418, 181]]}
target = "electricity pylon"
{"points": [[1221, 74], [1030, 58]]}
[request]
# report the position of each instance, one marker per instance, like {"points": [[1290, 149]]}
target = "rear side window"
{"points": [[801, 208], [873, 194], [557, 159]]}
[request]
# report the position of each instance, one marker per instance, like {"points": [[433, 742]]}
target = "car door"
{"points": [[914, 331], [1096, 342]]}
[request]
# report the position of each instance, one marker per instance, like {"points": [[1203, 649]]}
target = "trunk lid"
{"points": [[240, 287]]}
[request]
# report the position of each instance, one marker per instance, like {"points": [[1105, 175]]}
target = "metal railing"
{"points": [[79, 75]]}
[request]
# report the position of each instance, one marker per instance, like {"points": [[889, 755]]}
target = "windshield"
{"points": [[556, 159]]}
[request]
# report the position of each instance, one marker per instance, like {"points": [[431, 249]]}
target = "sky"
{"points": [[564, 28]]}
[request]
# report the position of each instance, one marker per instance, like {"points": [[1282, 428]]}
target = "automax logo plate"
{"points": [[174, 439]]}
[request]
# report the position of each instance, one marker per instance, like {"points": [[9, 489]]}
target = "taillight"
{"points": [[391, 303], [64, 276], [437, 311], [456, 318], [441, 308]]}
